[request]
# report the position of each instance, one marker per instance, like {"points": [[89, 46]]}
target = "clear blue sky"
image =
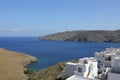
{"points": [[41, 17]]}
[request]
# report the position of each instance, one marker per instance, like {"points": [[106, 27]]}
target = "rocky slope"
{"points": [[53, 72], [12, 65], [50, 73], [85, 36]]}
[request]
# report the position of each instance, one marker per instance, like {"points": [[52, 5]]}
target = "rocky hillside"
{"points": [[50, 73], [85, 36], [12, 65]]}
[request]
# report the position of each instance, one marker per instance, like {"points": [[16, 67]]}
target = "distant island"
{"points": [[85, 36]]}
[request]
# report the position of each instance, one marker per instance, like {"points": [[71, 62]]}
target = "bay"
{"points": [[52, 52]]}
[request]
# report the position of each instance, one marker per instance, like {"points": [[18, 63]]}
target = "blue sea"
{"points": [[52, 52]]}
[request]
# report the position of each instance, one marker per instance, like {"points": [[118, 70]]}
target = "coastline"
{"points": [[32, 59], [13, 64]]}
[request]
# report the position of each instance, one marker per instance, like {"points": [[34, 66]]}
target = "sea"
{"points": [[49, 53]]}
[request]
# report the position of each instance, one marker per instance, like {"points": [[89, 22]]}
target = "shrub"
{"points": [[30, 73]]}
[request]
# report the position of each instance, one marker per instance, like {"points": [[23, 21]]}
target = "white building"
{"points": [[86, 69], [105, 66], [100, 59], [70, 68], [104, 58], [114, 73]]}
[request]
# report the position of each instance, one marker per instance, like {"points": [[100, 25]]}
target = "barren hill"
{"points": [[12, 65]]}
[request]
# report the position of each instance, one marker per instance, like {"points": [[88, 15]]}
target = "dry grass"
{"points": [[50, 73], [12, 65]]}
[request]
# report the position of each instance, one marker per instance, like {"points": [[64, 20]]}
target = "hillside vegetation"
{"points": [[85, 36], [50, 73], [12, 65]]}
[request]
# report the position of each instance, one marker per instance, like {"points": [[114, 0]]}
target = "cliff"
{"points": [[85, 36], [12, 65]]}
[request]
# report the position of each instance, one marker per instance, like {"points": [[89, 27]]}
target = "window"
{"points": [[79, 69], [99, 61], [108, 58], [98, 66]]}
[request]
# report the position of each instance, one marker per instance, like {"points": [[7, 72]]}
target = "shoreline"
{"points": [[13, 64], [33, 60]]}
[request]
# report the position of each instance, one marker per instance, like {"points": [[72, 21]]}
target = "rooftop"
{"points": [[71, 63], [76, 77]]}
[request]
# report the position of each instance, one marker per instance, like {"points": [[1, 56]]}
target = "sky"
{"points": [[42, 17]]}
